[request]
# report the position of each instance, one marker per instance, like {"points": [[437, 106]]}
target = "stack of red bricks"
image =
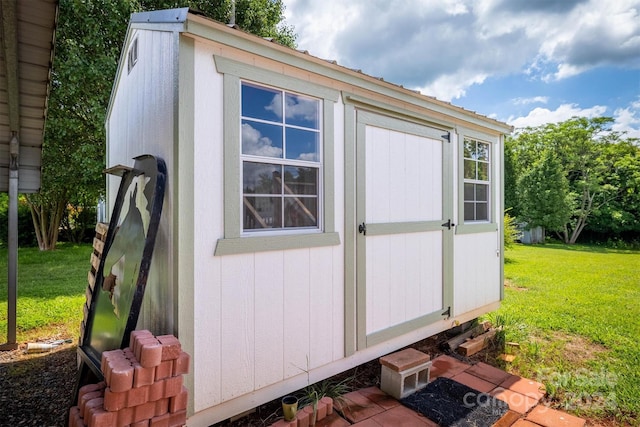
{"points": [[143, 386]]}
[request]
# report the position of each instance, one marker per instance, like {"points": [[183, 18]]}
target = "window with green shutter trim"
{"points": [[281, 159]]}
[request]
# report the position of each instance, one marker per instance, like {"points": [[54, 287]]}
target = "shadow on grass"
{"points": [[579, 247]]}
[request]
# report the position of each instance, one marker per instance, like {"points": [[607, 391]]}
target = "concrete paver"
{"points": [[371, 407]]}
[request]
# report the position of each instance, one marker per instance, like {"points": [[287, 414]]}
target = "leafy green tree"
{"points": [[545, 200], [566, 174], [89, 38], [88, 42], [622, 214], [260, 17]]}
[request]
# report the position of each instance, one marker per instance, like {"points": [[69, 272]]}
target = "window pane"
{"points": [[302, 111], [261, 178], [469, 149], [261, 212], [483, 151], [469, 192], [302, 145], [481, 212], [482, 192], [469, 169], [469, 214], [261, 139], [299, 180], [300, 212], [261, 103], [483, 171]]}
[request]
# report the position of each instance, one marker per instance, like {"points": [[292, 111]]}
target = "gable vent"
{"points": [[132, 56]]}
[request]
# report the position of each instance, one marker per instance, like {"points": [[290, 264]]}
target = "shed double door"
{"points": [[404, 242]]}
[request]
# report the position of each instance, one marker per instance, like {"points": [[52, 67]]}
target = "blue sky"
{"points": [[524, 62]]}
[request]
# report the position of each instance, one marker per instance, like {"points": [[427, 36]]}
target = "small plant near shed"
{"points": [[511, 232], [326, 388]]}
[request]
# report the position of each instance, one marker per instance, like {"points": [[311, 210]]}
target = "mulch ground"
{"points": [[363, 376], [35, 389]]}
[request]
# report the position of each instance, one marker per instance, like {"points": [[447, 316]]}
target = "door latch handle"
{"points": [[448, 224], [362, 228]]}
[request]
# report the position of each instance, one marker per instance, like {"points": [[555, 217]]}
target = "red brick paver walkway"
{"points": [[371, 407]]}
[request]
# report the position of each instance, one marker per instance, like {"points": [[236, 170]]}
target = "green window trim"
{"points": [[234, 242]]}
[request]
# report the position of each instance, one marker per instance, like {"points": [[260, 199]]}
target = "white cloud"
{"points": [[449, 87], [628, 120], [445, 48], [533, 100], [255, 144], [457, 43], [540, 116]]}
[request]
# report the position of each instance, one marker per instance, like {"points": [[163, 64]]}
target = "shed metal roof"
{"points": [[183, 15], [27, 35]]}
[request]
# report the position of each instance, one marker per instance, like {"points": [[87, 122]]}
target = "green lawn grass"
{"points": [[51, 292], [575, 313]]}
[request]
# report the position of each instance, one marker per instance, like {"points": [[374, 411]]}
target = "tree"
{"points": [[89, 38], [260, 17], [544, 194], [622, 214], [88, 41], [565, 173]]}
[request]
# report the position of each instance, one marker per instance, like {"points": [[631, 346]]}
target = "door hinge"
{"points": [[362, 228], [447, 312], [448, 224], [447, 136]]}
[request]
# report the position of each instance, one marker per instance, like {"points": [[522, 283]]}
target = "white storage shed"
{"points": [[315, 217]]}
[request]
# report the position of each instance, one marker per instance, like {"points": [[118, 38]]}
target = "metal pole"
{"points": [[12, 266], [232, 17]]}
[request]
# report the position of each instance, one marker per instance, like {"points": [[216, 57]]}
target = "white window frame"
{"points": [[477, 226], [476, 181], [284, 162]]}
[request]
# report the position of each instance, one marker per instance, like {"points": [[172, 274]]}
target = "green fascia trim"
{"points": [[381, 229], [447, 213], [328, 166], [233, 73], [350, 288], [360, 244], [397, 112], [299, 60], [245, 245], [502, 218], [184, 189], [403, 328], [251, 72], [401, 125], [231, 149]]}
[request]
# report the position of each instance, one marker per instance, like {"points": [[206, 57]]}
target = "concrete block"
{"points": [[402, 384]]}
